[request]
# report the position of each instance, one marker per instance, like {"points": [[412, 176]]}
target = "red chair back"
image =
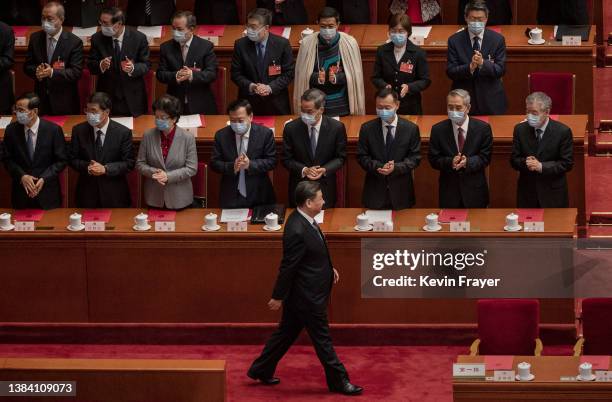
{"points": [[63, 182], [200, 183], [597, 326], [86, 87], [241, 7], [373, 11], [508, 327], [150, 88], [219, 89], [559, 86], [134, 183], [341, 187]]}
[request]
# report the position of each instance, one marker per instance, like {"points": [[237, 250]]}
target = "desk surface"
{"points": [[113, 364]]}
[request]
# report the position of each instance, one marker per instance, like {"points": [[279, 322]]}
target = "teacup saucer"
{"points": [[7, 228], [531, 377], [211, 228], [589, 378], [271, 229], [540, 42], [75, 228], [513, 229], [434, 229], [363, 229], [141, 229]]}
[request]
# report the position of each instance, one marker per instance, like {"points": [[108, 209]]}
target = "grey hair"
{"points": [[476, 5], [61, 12], [462, 93], [541, 98], [314, 95]]}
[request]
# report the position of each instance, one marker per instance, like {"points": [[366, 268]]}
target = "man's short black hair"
{"points": [[237, 104], [101, 99], [306, 190], [188, 15], [476, 5], [116, 13], [33, 100], [263, 15], [329, 12], [384, 92]]}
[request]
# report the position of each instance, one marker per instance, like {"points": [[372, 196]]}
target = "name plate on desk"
{"points": [[503, 375], [20, 41], [533, 226], [213, 39], [568, 40], [382, 227], [603, 376], [165, 226], [464, 370], [95, 226], [417, 40], [460, 226], [237, 226], [24, 226]]}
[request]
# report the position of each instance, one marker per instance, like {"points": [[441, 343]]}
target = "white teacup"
{"points": [[210, 220], [512, 220], [75, 220], [271, 220], [141, 220], [585, 370], [306, 32], [431, 221], [535, 34], [362, 221], [5, 220], [524, 370]]}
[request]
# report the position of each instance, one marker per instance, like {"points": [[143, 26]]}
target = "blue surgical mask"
{"points": [[309, 119], [456, 116], [94, 119], [240, 128], [399, 39], [533, 120], [476, 27], [23, 117], [108, 31], [49, 28], [253, 34], [179, 36], [162, 125], [328, 33], [386, 115]]}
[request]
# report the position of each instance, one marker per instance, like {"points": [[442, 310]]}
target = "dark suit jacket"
{"points": [[371, 156], [262, 154], [110, 190], [352, 11], [465, 188], [84, 13], [161, 12], [21, 12], [292, 12], [555, 151], [500, 12], [49, 160], [387, 72], [59, 94], [7, 50], [200, 55], [117, 83], [563, 12], [216, 12], [306, 274], [245, 72], [485, 85], [330, 154]]}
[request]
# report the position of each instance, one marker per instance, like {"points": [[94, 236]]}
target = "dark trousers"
{"points": [[291, 324]]}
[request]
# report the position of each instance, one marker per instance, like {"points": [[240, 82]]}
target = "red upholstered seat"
{"points": [[597, 326], [341, 187], [508, 327], [200, 184], [134, 183], [219, 89], [86, 87], [559, 86]]}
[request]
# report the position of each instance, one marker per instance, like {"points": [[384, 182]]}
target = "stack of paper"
{"points": [[234, 215], [379, 216], [5, 121], [151, 32], [190, 121], [124, 121], [84, 32], [421, 31]]}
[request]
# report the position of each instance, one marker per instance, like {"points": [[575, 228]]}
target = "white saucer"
{"points": [[427, 229], [269, 229], [7, 228], [144, 229], [76, 229], [514, 229], [365, 229], [590, 378], [211, 229], [531, 377], [532, 42]]}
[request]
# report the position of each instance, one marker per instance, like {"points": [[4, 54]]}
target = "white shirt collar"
{"points": [[543, 128], [120, 37], [305, 215], [57, 35], [318, 125], [480, 36], [104, 128], [188, 43], [393, 123], [464, 126], [34, 127]]}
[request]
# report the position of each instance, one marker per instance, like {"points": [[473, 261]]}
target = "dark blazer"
{"points": [[161, 12], [114, 81], [49, 160], [485, 85], [555, 151], [216, 12], [84, 13], [262, 154], [466, 188], [200, 56], [110, 190], [563, 12], [371, 156], [387, 72], [352, 11], [21, 12], [330, 154], [500, 12], [245, 71], [7, 51], [59, 94], [306, 275], [292, 12]]}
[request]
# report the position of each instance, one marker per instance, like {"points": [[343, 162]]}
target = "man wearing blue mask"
{"points": [[477, 62], [102, 154], [244, 153], [262, 66], [314, 147], [542, 153], [188, 65], [460, 148], [389, 149]]}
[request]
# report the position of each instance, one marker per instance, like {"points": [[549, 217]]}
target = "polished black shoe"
{"points": [[265, 381], [349, 389]]}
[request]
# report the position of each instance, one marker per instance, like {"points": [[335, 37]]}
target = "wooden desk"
{"points": [[191, 276], [546, 387]]}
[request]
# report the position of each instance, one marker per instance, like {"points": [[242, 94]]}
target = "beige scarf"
{"points": [[351, 62]]}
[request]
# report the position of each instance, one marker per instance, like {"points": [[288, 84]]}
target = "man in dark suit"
{"points": [[542, 152], [34, 156], [149, 12], [352, 11], [84, 13], [285, 12], [303, 287], [262, 66], [7, 52], [120, 58], [102, 153], [500, 12], [55, 61], [460, 148], [388, 150], [314, 147], [477, 62], [563, 12], [189, 66], [244, 153], [20, 12], [216, 12]]}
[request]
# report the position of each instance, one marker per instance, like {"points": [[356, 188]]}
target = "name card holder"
{"points": [[20, 41], [533, 226], [24, 226], [95, 226], [417, 40], [567, 40], [381, 227], [213, 39], [460, 226], [504, 375], [603, 376], [464, 370], [165, 226], [237, 226]]}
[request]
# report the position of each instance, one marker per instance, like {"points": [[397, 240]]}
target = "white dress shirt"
{"points": [[245, 141], [464, 126], [393, 124], [34, 130], [104, 128]]}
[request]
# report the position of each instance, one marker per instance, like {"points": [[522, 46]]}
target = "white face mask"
{"points": [[328, 33], [49, 28], [253, 34], [108, 31], [179, 36]]}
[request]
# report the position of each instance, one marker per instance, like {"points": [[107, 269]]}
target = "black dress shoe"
{"points": [[265, 381], [349, 389]]}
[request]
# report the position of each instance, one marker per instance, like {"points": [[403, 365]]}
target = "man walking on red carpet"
{"points": [[303, 286]]}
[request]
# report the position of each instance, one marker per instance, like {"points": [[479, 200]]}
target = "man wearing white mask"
{"points": [[314, 147], [460, 148], [477, 62], [189, 66], [542, 153], [389, 149], [243, 153], [102, 154], [262, 66], [55, 61]]}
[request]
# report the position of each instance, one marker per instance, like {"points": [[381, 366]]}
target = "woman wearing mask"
{"points": [[402, 66]]}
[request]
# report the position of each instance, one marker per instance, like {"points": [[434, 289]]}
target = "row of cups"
{"points": [[585, 372], [432, 224]]}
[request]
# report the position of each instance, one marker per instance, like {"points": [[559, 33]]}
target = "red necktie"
{"points": [[460, 138]]}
